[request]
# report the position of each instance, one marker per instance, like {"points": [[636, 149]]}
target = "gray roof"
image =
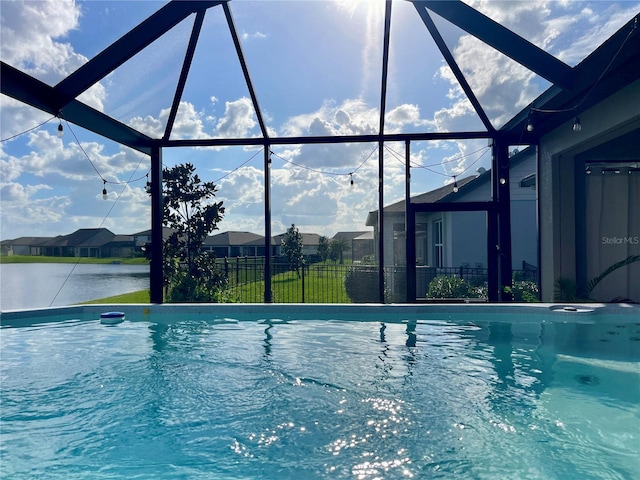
{"points": [[348, 235], [233, 238], [30, 241], [84, 237], [307, 239]]}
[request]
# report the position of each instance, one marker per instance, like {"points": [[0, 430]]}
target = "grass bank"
{"points": [[89, 260], [141, 296]]}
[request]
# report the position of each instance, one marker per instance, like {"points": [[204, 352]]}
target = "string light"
{"points": [[529, 125], [322, 172], [455, 185], [104, 190], [577, 127], [27, 131], [60, 130]]}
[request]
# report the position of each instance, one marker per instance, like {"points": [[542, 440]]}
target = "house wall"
{"points": [[20, 250], [607, 120], [468, 236], [524, 214]]}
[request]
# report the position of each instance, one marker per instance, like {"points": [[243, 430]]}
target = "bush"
{"points": [[205, 283], [362, 284], [368, 260], [524, 291], [449, 287]]}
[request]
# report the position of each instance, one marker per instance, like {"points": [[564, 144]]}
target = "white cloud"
{"points": [[33, 36], [254, 35], [238, 120], [30, 41], [406, 114], [352, 117]]}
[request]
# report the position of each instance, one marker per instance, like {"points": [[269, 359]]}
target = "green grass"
{"points": [[320, 286], [141, 296], [42, 259]]}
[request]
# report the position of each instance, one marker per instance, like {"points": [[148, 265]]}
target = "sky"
{"points": [[316, 70]]}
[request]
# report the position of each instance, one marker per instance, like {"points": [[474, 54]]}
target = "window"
{"points": [[438, 245]]}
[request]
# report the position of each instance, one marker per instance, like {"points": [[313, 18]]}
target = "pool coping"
{"points": [[580, 312]]}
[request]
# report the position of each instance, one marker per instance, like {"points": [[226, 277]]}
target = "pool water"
{"points": [[199, 398]]}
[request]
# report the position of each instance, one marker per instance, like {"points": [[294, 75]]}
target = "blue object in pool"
{"points": [[111, 318]]}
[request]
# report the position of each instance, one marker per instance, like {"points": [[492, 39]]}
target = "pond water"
{"points": [[34, 285]]}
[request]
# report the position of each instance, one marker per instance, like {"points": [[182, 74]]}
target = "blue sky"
{"points": [[316, 68]]}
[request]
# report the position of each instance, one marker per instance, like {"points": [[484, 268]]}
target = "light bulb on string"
{"points": [[577, 126], [455, 185], [60, 130], [529, 125], [351, 179], [104, 190]]}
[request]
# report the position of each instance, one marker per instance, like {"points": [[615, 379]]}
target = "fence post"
{"points": [[303, 283]]}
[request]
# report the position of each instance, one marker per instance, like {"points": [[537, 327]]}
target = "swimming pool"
{"points": [[306, 391]]}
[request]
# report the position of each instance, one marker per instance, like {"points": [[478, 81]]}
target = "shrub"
{"points": [[368, 260], [205, 282], [449, 287], [362, 284], [524, 291]]}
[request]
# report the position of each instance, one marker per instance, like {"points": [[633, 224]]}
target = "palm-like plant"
{"points": [[565, 289]]}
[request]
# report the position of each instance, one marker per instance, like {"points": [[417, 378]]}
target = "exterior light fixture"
{"points": [[104, 190], [351, 179], [455, 185], [577, 127], [60, 130], [503, 181]]}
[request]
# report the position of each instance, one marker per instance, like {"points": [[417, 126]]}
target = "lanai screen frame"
{"points": [[568, 84]]}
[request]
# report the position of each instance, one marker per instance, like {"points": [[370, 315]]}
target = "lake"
{"points": [[34, 285]]}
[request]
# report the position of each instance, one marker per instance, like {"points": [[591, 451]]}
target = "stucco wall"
{"points": [[611, 118]]}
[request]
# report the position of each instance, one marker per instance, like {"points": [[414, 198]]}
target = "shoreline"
{"points": [[85, 260]]}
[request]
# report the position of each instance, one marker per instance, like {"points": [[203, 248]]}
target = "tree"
{"points": [[337, 247], [190, 212], [292, 248], [323, 248]]}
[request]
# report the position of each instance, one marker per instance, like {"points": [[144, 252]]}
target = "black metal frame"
{"points": [[568, 85]]}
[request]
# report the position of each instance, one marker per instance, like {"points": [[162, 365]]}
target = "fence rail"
{"points": [[324, 282]]}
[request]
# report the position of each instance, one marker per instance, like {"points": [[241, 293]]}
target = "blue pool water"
{"points": [[206, 394]]}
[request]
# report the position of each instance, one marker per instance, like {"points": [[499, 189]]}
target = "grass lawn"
{"points": [[42, 259], [320, 286], [141, 296]]}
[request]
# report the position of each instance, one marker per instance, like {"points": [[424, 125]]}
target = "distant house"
{"points": [[310, 242], [359, 244], [85, 242], [143, 238], [235, 244], [23, 246], [448, 240]]}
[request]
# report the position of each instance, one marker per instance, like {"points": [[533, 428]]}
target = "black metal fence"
{"points": [[325, 282]]}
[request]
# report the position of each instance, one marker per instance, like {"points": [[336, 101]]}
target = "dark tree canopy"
{"points": [[336, 249], [292, 248], [323, 248], [190, 211]]}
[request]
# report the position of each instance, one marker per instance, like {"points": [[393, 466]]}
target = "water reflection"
{"points": [[36, 285], [267, 341]]}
